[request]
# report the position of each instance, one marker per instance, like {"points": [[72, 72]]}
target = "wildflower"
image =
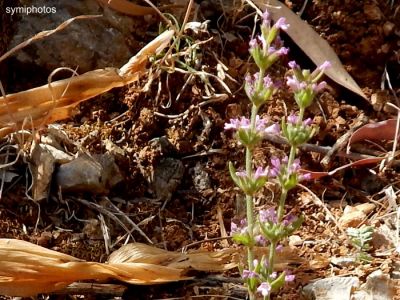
{"points": [[316, 88], [325, 65], [249, 183], [260, 240], [253, 43], [293, 65], [259, 90], [279, 248], [281, 24], [260, 172], [297, 132], [264, 288], [242, 123], [269, 215], [278, 51], [305, 176], [305, 84], [273, 275], [308, 122], [239, 228], [294, 167], [249, 274], [289, 278], [266, 18], [289, 219], [295, 85], [292, 119]]}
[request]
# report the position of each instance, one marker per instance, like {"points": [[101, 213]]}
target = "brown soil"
{"points": [[360, 32]]}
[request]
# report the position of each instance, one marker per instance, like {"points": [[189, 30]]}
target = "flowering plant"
{"points": [[271, 226]]}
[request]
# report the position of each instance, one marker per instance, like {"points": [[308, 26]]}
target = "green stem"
{"points": [[301, 116], [249, 199]]}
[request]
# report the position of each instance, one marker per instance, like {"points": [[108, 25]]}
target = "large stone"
{"points": [[86, 44], [95, 174]]}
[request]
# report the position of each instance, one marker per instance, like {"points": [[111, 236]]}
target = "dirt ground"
{"points": [[177, 122]]}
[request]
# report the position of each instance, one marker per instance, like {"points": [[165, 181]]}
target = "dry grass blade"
{"points": [[64, 95], [315, 47], [201, 261], [27, 269], [44, 34]]}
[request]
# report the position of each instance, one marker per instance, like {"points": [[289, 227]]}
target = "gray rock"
{"points": [[87, 44], [95, 174], [333, 288], [167, 176], [343, 261]]}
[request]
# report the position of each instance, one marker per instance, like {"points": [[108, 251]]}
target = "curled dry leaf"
{"points": [[358, 163], [128, 8], [57, 100], [315, 47], [27, 269], [385, 130]]}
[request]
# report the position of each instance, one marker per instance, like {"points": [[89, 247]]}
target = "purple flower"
{"points": [[318, 87], [295, 85], [273, 275], [234, 227], [253, 43], [273, 129], [279, 52], [267, 82], [242, 123], [293, 65], [289, 278], [308, 122], [281, 24], [325, 65], [234, 124], [260, 240], [249, 274], [268, 215], [241, 228], [276, 164], [260, 172], [265, 18], [305, 176], [295, 166], [289, 219], [264, 288], [279, 248], [292, 119], [255, 263]]}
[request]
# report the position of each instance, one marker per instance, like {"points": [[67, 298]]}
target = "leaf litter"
{"points": [[131, 128]]}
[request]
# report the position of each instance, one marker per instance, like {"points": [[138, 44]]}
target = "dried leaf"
{"points": [[201, 261], [379, 131], [46, 105], [27, 269], [358, 163], [128, 8], [315, 47]]}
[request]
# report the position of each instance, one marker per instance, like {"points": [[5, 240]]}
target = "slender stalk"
{"points": [[250, 199]]}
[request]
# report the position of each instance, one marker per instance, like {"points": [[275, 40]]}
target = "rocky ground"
{"points": [[165, 135]]}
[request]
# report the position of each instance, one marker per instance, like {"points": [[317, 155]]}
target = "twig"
{"points": [[319, 149], [81, 288], [104, 211], [342, 141]]}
